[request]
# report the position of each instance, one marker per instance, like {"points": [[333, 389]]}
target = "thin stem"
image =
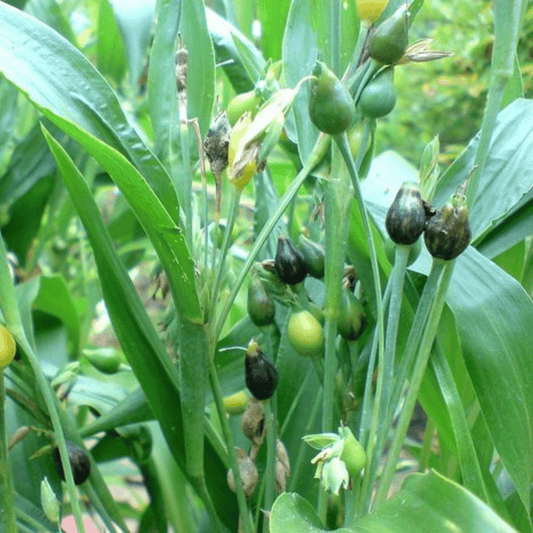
{"points": [[7, 491], [507, 18], [393, 322], [10, 310], [413, 340], [414, 386], [246, 522], [234, 208], [345, 150], [270, 471], [367, 128]]}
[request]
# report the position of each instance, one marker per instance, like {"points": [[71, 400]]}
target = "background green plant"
{"points": [[69, 131]]}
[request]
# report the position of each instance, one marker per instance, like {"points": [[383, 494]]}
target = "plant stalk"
{"points": [[7, 491], [246, 521], [420, 367]]}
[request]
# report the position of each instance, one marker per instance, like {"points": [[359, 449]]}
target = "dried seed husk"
{"points": [[253, 422], [248, 472]]}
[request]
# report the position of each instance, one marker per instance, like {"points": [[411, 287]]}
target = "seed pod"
{"points": [[107, 360], [49, 502], [314, 256], [235, 404], [352, 319], [253, 422], [379, 95], [406, 216], [390, 39], [331, 106], [248, 472], [289, 262], [447, 234], [305, 334], [353, 454], [241, 104], [260, 303], [260, 374], [8, 346], [79, 462]]}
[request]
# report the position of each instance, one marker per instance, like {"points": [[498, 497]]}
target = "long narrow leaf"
{"points": [[61, 82], [139, 341]]}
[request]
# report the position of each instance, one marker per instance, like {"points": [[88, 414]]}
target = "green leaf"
{"points": [[110, 55], [62, 83], [135, 23], [506, 169], [55, 299], [293, 514], [226, 52], [162, 90], [272, 26], [21, 230], [302, 45], [30, 162], [494, 316], [201, 73], [51, 13], [139, 341], [430, 502]]}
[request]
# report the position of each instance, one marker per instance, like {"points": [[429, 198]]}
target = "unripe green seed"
{"points": [[379, 96], [352, 319], [260, 305], [390, 39], [330, 105]]}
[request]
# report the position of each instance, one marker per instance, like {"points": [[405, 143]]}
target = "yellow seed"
{"points": [[7, 346], [236, 403], [370, 10]]}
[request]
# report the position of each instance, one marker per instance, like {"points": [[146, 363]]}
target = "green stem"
{"points": [[315, 157], [393, 322], [234, 208], [186, 200], [270, 471], [246, 522], [413, 340], [507, 18], [7, 491], [10, 310], [338, 204], [345, 150], [367, 128], [414, 386], [379, 426]]}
